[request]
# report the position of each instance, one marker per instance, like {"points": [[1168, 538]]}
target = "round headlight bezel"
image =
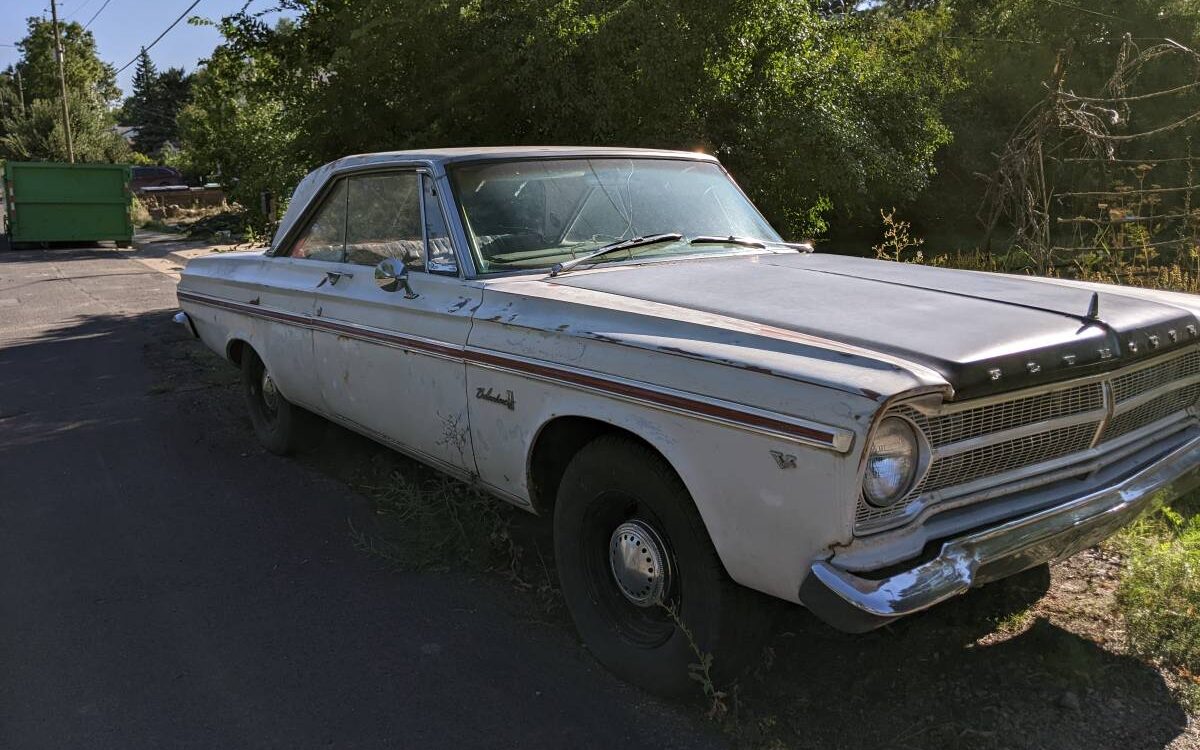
{"points": [[892, 427]]}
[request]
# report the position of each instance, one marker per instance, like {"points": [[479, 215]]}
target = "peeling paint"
{"points": [[454, 433]]}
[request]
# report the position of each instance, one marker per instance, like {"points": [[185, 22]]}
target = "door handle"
{"points": [[333, 277]]}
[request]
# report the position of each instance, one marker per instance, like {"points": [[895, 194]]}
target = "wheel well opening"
{"points": [[234, 351], [555, 446]]}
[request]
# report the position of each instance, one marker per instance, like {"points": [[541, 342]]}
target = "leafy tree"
{"points": [[809, 111], [237, 128], [87, 76], [35, 131], [38, 135]]}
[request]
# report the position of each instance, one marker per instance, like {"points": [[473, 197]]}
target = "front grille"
{"points": [[1136, 399], [1152, 411], [1134, 383], [943, 429], [999, 457]]}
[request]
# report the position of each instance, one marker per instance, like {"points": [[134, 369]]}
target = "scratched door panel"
{"points": [[393, 365]]}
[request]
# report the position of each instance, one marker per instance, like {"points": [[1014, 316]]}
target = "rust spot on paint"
{"points": [[757, 368]]}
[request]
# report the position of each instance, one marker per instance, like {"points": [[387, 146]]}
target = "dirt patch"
{"points": [[1033, 662]]}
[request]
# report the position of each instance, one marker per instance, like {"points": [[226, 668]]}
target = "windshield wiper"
{"points": [[650, 239], [705, 239]]}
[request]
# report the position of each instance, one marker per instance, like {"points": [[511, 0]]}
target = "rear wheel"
{"points": [[637, 567], [281, 426]]}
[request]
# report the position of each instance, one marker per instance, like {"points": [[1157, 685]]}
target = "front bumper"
{"points": [[857, 603]]}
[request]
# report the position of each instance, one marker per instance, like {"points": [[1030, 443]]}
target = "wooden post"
{"points": [[62, 82]]}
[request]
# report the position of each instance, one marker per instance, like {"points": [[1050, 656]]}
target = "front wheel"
{"points": [[640, 575], [281, 426]]}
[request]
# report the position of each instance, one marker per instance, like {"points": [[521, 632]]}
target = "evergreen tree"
{"points": [[154, 105]]}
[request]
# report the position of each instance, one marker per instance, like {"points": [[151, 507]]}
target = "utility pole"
{"points": [[20, 90], [62, 82]]}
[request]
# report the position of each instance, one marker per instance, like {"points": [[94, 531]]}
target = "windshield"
{"points": [[532, 214]]}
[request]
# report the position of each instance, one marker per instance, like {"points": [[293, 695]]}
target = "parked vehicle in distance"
{"points": [[145, 177], [618, 339]]}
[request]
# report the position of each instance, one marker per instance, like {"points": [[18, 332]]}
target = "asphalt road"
{"points": [[164, 583]]}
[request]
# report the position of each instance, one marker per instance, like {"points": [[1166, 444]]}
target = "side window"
{"points": [[437, 238], [325, 236], [384, 220]]}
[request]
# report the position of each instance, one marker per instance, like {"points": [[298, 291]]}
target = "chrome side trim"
{"points": [[667, 399], [856, 603], [677, 402]]}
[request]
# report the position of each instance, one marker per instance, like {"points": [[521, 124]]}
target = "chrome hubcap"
{"points": [[639, 563], [270, 394]]}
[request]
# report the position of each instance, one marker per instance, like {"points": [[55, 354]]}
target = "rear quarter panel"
{"points": [[276, 285]]}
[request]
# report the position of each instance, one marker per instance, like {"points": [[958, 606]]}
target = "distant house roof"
{"points": [[128, 132]]}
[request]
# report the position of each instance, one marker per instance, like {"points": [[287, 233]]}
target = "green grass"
{"points": [[1159, 591]]}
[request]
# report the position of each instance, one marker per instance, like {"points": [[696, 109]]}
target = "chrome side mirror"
{"points": [[392, 275]]}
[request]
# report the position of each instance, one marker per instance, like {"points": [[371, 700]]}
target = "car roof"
{"points": [[487, 153], [310, 186]]}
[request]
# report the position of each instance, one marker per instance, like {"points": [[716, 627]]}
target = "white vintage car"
{"points": [[618, 339]]}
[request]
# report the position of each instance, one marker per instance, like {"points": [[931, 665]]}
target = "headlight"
{"points": [[895, 455]]}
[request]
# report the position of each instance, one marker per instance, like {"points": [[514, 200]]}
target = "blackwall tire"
{"points": [[613, 485], [282, 427]]}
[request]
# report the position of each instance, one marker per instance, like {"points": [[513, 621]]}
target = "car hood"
{"points": [[983, 332]]}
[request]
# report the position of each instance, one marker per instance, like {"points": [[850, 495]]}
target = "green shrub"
{"points": [[138, 213], [1159, 593]]}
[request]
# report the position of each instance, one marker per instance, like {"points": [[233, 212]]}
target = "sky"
{"points": [[124, 26]]}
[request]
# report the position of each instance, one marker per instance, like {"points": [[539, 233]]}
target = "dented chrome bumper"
{"points": [[857, 603]]}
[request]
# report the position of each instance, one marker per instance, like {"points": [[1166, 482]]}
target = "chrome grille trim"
{"points": [[1090, 418], [1016, 436]]}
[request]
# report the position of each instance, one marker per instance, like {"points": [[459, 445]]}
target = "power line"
{"points": [[1086, 10], [76, 12], [159, 37], [97, 13]]}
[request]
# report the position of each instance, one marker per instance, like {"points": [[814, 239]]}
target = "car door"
{"points": [[390, 362]]}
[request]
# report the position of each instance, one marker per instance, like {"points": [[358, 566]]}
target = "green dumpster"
{"points": [[53, 202]]}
